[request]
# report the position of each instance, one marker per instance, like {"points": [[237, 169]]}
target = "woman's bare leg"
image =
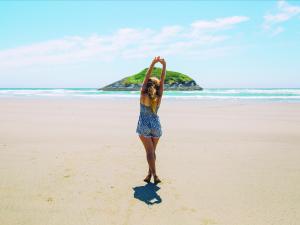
{"points": [[149, 147], [155, 141]]}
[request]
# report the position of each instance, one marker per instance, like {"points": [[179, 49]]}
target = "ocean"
{"points": [[265, 94]]}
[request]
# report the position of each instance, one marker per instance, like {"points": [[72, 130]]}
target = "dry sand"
{"points": [[77, 161]]}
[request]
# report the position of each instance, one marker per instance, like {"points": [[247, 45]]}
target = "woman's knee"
{"points": [[150, 154]]}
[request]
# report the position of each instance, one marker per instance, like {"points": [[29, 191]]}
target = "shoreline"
{"points": [[136, 99], [213, 94]]}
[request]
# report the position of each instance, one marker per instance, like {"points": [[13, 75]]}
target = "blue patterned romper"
{"points": [[149, 123]]}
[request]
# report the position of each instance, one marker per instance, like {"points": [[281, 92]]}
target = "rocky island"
{"points": [[174, 81]]}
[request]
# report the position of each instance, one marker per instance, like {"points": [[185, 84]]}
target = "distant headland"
{"points": [[174, 81]]}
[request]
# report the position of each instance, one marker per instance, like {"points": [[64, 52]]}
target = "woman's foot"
{"points": [[156, 180], [148, 178]]}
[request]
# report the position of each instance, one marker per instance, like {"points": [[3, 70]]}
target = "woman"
{"points": [[148, 127]]}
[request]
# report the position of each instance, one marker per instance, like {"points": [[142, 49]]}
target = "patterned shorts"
{"points": [[149, 126]]}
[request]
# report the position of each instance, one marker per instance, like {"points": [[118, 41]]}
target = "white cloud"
{"points": [[126, 43], [202, 26], [277, 31], [166, 34], [284, 13], [220, 23]]}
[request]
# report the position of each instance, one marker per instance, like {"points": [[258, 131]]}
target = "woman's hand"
{"points": [[156, 60], [162, 61]]}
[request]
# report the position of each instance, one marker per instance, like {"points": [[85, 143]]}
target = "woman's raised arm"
{"points": [[144, 85], [162, 76]]}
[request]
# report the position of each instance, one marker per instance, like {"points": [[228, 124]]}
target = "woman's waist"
{"points": [[150, 114]]}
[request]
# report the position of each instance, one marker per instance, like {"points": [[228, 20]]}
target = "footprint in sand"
{"points": [[50, 199], [208, 221], [67, 171], [188, 209]]}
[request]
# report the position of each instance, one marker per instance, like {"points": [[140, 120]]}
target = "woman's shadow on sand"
{"points": [[147, 194]]}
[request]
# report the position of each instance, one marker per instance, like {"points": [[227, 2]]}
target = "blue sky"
{"points": [[93, 43]]}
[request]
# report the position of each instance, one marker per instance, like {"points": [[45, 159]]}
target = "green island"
{"points": [[173, 81]]}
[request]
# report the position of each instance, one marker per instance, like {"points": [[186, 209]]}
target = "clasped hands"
{"points": [[160, 60]]}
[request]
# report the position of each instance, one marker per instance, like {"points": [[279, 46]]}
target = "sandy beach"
{"points": [[79, 161]]}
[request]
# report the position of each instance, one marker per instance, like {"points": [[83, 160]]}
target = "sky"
{"points": [[220, 44]]}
